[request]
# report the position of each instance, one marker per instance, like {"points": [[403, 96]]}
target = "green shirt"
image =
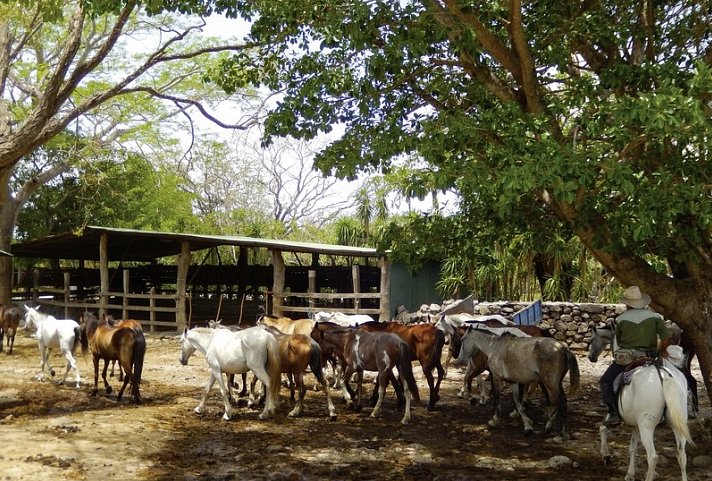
{"points": [[639, 329]]}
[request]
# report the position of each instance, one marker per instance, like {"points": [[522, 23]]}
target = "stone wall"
{"points": [[566, 321]]}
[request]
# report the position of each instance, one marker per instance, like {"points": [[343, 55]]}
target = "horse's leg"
{"points": [[681, 454], [345, 388], [208, 386], [428, 373], [632, 448], [128, 375], [225, 395], [518, 394], [408, 397], [96, 376], [107, 387], [605, 453], [329, 402], [269, 408], [382, 381], [497, 398], [253, 398], [243, 391], [299, 383], [359, 389]]}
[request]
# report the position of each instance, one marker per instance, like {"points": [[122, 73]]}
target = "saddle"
{"points": [[624, 378]]}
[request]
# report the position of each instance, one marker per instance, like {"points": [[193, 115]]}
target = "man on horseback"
{"points": [[636, 334]]}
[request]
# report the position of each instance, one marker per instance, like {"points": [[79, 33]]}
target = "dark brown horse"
{"points": [[425, 343], [109, 343], [9, 322], [358, 351]]}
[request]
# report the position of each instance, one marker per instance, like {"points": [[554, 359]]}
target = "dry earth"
{"points": [[49, 431]]}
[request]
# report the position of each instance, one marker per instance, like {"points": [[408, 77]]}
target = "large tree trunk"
{"points": [[8, 213]]}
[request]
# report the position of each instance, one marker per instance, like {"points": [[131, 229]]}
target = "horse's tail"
{"points": [[316, 363], [405, 369], [139, 353], [676, 405], [437, 352], [79, 339], [274, 370], [574, 374]]}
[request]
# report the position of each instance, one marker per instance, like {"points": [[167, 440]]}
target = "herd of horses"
{"points": [[521, 356]]}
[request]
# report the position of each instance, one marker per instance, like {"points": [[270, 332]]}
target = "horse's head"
{"points": [[31, 317], [186, 348], [602, 337]]}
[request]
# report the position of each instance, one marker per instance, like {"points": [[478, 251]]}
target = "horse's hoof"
{"points": [[94, 393], [226, 417], [528, 432], [332, 417], [108, 389], [405, 422], [52, 373], [473, 401], [607, 460]]}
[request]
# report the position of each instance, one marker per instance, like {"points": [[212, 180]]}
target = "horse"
{"points": [[425, 343], [288, 325], [9, 322], [124, 344], [522, 361], [604, 337], [344, 320], [252, 349], [213, 324], [648, 395], [477, 363], [53, 333], [298, 352], [130, 323], [380, 352]]}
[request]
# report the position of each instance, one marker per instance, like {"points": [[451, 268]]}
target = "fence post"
{"points": [[66, 295], [152, 312], [385, 288], [356, 279], [36, 285], [125, 300], [104, 273], [311, 289]]}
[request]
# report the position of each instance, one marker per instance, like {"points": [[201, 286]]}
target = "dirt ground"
{"points": [[49, 431]]}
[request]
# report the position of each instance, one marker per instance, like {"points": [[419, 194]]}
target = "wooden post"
{"points": [[152, 312], [277, 283], [385, 306], [104, 273], [36, 285], [311, 289], [184, 260], [66, 295], [356, 279], [125, 301]]}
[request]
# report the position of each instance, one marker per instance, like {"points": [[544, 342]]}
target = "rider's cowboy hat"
{"points": [[633, 297]]}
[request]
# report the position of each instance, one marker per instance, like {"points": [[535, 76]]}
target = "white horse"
{"points": [[252, 349], [53, 333], [344, 320], [651, 394]]}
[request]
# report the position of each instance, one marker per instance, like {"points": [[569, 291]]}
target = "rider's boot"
{"points": [[612, 418]]}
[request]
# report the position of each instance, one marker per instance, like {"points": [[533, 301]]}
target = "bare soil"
{"points": [[59, 432]]}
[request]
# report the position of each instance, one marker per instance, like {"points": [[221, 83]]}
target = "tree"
{"points": [[599, 112], [68, 83]]}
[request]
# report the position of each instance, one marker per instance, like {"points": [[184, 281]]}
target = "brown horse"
{"points": [[9, 322], [123, 344], [296, 353], [425, 343], [130, 323]]}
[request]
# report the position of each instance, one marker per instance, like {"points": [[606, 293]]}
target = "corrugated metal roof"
{"points": [[138, 245]]}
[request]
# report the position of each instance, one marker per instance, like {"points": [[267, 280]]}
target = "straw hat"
{"points": [[633, 297]]}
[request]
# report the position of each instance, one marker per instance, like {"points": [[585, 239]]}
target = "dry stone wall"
{"points": [[568, 322]]}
